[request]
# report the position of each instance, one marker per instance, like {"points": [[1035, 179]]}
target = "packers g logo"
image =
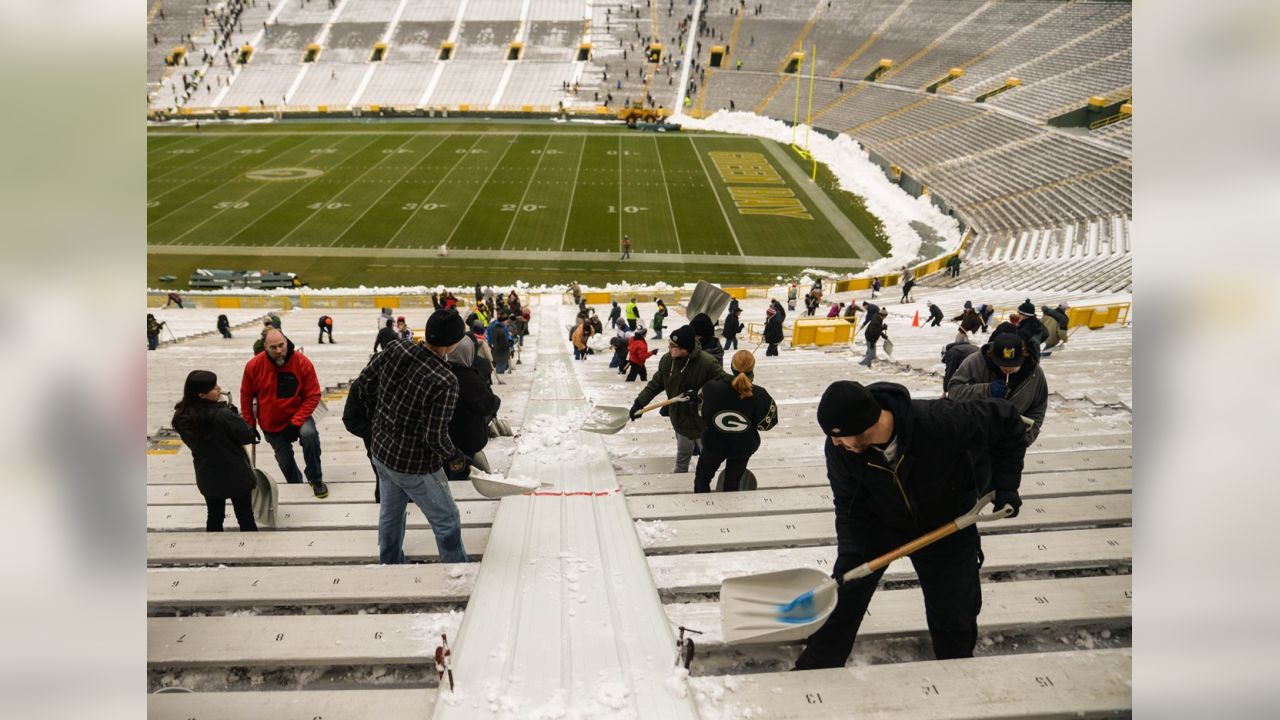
{"points": [[730, 421]]}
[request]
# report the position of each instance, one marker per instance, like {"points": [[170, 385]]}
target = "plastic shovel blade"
{"points": [[496, 486], [607, 419], [776, 607]]}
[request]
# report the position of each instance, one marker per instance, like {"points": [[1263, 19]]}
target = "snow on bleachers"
{"points": [[1075, 518]]}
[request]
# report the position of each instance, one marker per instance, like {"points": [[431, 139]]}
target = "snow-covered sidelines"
{"points": [[855, 173]]}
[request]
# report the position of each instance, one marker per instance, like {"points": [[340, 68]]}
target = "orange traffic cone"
{"points": [[916, 322]]}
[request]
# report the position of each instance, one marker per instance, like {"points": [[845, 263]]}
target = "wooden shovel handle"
{"points": [[913, 546], [664, 403]]}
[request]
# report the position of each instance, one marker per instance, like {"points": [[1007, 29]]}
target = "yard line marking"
{"points": [[217, 187], [217, 213], [671, 211], [184, 160], [390, 187], [707, 175], [347, 186], [480, 190], [572, 190], [197, 177], [439, 182], [619, 191], [516, 215]]}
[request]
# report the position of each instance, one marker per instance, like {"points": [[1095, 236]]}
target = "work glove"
{"points": [[999, 388], [291, 432], [689, 395], [665, 411], [1007, 497], [634, 413], [458, 462]]}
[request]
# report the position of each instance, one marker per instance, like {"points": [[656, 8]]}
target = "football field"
{"points": [[359, 204]]}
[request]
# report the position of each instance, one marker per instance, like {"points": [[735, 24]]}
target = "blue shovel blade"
{"points": [[800, 610]]}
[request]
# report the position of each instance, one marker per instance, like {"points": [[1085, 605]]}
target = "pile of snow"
{"points": [[552, 439], [524, 482], [652, 533], [855, 173]]}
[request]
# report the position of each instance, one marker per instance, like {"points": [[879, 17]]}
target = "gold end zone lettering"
{"points": [[745, 168], [777, 202]]}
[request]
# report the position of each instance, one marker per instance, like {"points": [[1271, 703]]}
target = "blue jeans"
{"points": [[430, 492], [153, 342], [309, 439], [871, 354]]}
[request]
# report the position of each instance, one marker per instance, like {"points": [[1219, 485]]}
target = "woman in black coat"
{"points": [[773, 327], [216, 434], [733, 411]]}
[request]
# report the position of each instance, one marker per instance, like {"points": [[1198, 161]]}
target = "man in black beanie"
{"points": [[409, 394], [900, 468], [682, 371], [1031, 329], [705, 332]]}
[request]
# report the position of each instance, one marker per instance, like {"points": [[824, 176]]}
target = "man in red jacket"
{"points": [[284, 384]]}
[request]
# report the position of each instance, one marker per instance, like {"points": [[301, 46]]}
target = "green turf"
{"points": [[487, 187]]}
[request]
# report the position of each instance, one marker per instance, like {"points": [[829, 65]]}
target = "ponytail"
{"points": [[744, 361]]}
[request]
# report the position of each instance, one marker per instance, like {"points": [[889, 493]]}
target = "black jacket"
{"points": [[477, 406], [222, 467], [880, 505], [952, 356], [731, 424], [1056, 314], [386, 336], [711, 346], [935, 312], [1033, 332], [732, 326], [875, 329]]}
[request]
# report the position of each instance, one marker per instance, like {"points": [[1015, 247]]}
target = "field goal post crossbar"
{"points": [[795, 114]]}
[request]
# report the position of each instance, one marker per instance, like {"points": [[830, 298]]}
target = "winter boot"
{"points": [[320, 489]]}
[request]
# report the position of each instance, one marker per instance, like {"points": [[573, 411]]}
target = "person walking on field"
{"points": [[215, 433], [681, 372], [626, 247], [733, 411], [637, 353], [283, 382], [411, 394], [326, 328], [900, 468]]}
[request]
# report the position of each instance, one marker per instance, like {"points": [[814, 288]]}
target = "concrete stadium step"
{"points": [[356, 489], [330, 514], [1069, 684], [815, 528], [1034, 462], [234, 587], [390, 639], [818, 528], [289, 640], [385, 704], [1103, 601], [798, 440], [702, 573], [1045, 484]]}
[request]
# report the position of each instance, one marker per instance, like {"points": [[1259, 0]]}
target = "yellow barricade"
{"points": [[821, 332], [597, 298]]}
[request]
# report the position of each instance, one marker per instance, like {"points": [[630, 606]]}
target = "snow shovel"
{"points": [[495, 486], [790, 605], [265, 497], [609, 419]]}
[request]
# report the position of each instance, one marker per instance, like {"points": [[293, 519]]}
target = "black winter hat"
{"points": [[684, 338], [1027, 308], [701, 324], [444, 328], [1006, 350], [846, 409]]}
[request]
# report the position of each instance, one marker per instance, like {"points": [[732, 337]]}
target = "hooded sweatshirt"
{"points": [[1028, 389]]}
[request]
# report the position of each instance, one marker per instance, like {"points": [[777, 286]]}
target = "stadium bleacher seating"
{"points": [[299, 616]]}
